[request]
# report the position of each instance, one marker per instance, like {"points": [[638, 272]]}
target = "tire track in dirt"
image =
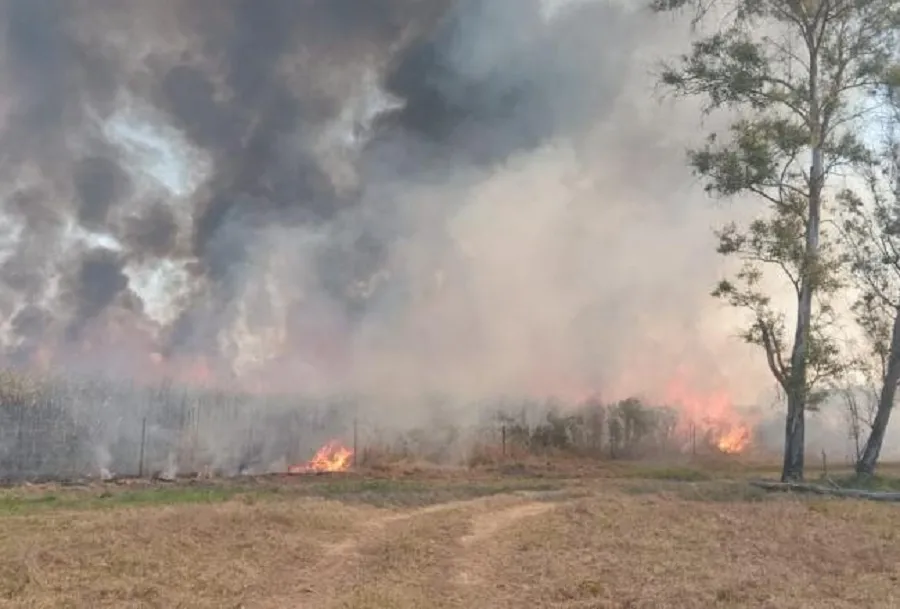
{"points": [[343, 550], [324, 579], [318, 584], [486, 526], [489, 524]]}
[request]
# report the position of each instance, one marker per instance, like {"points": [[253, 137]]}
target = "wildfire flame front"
{"points": [[735, 441], [333, 457]]}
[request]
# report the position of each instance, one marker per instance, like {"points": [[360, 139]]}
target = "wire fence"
{"points": [[71, 429], [65, 429], [75, 429]]}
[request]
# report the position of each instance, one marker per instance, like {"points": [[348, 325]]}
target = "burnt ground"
{"points": [[537, 535]]}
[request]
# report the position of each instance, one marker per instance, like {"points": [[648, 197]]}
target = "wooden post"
{"points": [[143, 442], [503, 439], [196, 440], [355, 442], [20, 443]]}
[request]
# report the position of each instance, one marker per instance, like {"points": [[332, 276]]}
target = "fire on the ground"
{"points": [[332, 457]]}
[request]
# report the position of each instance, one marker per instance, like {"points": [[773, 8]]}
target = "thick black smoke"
{"points": [[230, 90], [482, 88], [252, 84]]}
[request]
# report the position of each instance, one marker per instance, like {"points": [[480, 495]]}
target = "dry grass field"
{"points": [[633, 537]]}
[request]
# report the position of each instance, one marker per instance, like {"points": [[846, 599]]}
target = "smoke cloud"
{"points": [[391, 197]]}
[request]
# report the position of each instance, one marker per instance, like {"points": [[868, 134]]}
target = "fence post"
{"points": [[195, 442], [503, 439], [20, 443], [355, 442], [143, 442]]}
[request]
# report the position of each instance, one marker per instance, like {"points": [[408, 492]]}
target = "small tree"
{"points": [[872, 230], [860, 403], [792, 70]]}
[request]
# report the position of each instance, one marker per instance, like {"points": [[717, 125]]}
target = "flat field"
{"points": [[564, 537]]}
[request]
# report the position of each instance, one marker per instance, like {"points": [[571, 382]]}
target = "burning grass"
{"points": [[70, 428], [330, 458], [637, 536]]}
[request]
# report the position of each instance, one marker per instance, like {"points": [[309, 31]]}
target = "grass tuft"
{"points": [[674, 474]]}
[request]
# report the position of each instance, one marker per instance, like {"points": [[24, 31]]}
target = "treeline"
{"points": [[625, 429], [513, 429]]}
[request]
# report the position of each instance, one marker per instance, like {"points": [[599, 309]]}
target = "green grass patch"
{"points": [[382, 493], [866, 483], [412, 493], [11, 504], [674, 474], [723, 492]]}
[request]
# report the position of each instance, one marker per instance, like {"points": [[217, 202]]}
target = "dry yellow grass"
{"points": [[437, 543]]}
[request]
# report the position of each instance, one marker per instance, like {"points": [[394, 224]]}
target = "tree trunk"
{"points": [[794, 438], [795, 420], [865, 466]]}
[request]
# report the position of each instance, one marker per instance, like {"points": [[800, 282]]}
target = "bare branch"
{"points": [[773, 355]]}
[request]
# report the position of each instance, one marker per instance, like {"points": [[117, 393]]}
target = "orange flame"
{"points": [[734, 441], [333, 457], [713, 411]]}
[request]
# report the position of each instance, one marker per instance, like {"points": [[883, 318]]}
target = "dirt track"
{"points": [[599, 544], [446, 540]]}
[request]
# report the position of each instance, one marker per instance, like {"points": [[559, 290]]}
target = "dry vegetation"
{"points": [[554, 536], [56, 428]]}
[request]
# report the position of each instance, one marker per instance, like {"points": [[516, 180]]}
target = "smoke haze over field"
{"points": [[472, 197]]}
